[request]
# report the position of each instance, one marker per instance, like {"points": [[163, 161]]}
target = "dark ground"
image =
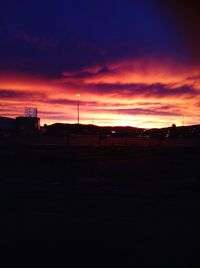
{"points": [[101, 206]]}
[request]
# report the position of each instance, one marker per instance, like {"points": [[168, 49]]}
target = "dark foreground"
{"points": [[101, 206]]}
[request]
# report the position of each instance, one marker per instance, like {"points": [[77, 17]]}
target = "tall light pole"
{"points": [[183, 119], [78, 109]]}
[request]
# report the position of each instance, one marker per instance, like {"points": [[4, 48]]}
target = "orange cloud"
{"points": [[141, 71], [142, 92]]}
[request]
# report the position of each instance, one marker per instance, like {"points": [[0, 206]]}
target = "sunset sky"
{"points": [[133, 63]]}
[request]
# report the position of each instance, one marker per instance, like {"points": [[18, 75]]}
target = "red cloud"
{"points": [[145, 92]]}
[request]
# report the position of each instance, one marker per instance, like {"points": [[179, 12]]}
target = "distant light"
{"points": [[78, 95]]}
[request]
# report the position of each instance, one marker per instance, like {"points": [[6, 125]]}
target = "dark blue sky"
{"points": [[49, 37], [134, 62]]}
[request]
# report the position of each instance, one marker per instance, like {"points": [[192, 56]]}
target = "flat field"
{"points": [[102, 205]]}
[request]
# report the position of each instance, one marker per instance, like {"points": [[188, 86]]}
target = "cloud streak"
{"points": [[124, 92]]}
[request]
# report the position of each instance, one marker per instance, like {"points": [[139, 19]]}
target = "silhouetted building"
{"points": [[28, 125], [7, 126], [7, 123]]}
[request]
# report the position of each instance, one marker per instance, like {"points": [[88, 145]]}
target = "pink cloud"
{"points": [[122, 93]]}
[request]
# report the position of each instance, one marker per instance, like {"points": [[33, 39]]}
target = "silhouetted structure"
{"points": [[7, 126], [20, 125], [28, 125], [7, 123]]}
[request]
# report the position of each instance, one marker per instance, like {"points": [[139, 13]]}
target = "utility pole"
{"points": [[78, 109], [183, 120]]}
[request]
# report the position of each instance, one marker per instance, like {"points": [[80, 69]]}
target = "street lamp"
{"points": [[78, 104]]}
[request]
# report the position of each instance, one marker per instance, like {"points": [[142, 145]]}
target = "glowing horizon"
{"points": [[126, 94]]}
